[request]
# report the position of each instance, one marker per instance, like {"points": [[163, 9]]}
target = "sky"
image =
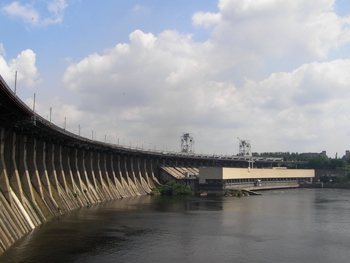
{"points": [[142, 73]]}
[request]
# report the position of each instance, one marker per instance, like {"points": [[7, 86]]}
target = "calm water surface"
{"points": [[300, 225]]}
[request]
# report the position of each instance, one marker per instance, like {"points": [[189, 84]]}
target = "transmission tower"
{"points": [[187, 143], [244, 147]]}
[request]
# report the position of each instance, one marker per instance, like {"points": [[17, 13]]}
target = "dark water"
{"points": [[301, 225]]}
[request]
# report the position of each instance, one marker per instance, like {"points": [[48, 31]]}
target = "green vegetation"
{"points": [[172, 188], [324, 163], [319, 162], [228, 192], [338, 179], [238, 193]]}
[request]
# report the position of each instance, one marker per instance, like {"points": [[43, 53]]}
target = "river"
{"points": [[295, 225]]}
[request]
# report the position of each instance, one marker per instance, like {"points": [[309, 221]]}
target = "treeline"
{"points": [[320, 162], [328, 163]]}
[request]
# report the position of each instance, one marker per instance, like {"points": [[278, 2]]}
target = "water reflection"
{"points": [[302, 225]]}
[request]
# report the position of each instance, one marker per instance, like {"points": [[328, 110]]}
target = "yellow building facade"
{"points": [[254, 177]]}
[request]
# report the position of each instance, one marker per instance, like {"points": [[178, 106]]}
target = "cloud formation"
{"points": [[24, 64], [167, 82], [32, 16], [280, 29]]}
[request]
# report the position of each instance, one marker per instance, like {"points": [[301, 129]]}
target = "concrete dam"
{"points": [[47, 171]]}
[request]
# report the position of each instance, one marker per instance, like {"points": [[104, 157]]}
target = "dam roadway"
{"points": [[47, 171]]}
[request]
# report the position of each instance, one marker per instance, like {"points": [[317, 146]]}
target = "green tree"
{"points": [[324, 179], [339, 179], [318, 163], [337, 164], [172, 188]]}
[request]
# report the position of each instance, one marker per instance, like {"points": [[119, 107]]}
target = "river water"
{"points": [[298, 225]]}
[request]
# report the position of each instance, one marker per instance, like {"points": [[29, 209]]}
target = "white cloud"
{"points": [[278, 28], [152, 82], [302, 105], [156, 87], [134, 79], [26, 12], [206, 19], [24, 64], [31, 16], [310, 84], [62, 114], [56, 9]]}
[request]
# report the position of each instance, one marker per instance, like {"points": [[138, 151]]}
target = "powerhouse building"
{"points": [[221, 178]]}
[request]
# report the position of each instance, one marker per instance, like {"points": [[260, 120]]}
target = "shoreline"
{"points": [[325, 185]]}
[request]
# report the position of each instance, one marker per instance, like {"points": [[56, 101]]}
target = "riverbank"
{"points": [[324, 185]]}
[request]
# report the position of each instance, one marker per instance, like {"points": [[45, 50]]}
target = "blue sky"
{"points": [[93, 27], [275, 72]]}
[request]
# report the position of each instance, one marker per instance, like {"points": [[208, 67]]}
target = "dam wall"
{"points": [[46, 171], [42, 179]]}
